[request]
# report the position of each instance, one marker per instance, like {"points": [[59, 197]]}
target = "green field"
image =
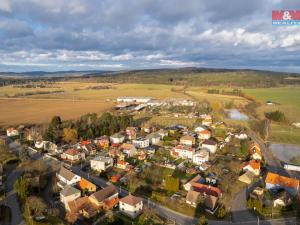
{"points": [[287, 99]]}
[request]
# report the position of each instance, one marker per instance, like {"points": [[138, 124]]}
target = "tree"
{"points": [[70, 135], [172, 184], [35, 206], [53, 133], [21, 186], [202, 221], [276, 116], [221, 213]]}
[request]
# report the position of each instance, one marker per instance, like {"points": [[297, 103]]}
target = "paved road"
{"points": [[11, 197]]}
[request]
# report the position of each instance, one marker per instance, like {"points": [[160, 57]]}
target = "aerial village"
{"points": [[192, 170]]}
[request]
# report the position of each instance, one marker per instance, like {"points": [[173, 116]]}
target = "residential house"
{"points": [[67, 177], [122, 164], [200, 128], [82, 207], [142, 155], [206, 189], [88, 147], [106, 198], [102, 142], [147, 128], [187, 140], [72, 155], [255, 152], [209, 145], [68, 194], [200, 157], [247, 177], [154, 138], [162, 133], [39, 144], [252, 166], [86, 185], [182, 151], [188, 186], [207, 121], [10, 132], [276, 181], [117, 138], [101, 163], [257, 193], [141, 142], [282, 199], [131, 132], [204, 135], [116, 154], [131, 206], [128, 149], [241, 136], [192, 198], [211, 203]]}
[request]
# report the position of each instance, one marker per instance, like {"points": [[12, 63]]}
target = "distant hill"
{"points": [[190, 76], [199, 77]]}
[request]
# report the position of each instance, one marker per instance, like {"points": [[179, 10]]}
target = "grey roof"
{"points": [[67, 174], [69, 190], [105, 193]]}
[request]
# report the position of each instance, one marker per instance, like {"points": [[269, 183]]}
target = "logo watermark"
{"points": [[286, 17]]}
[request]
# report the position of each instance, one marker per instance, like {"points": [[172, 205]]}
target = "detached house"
{"points": [[210, 145], [117, 138], [200, 157], [101, 163], [68, 194], [252, 166], [67, 177], [102, 142], [10, 132], [131, 206], [128, 149], [276, 181], [183, 151], [187, 140], [255, 152], [72, 155], [86, 185], [147, 128], [154, 138], [131, 132], [204, 135], [141, 143], [106, 198]]}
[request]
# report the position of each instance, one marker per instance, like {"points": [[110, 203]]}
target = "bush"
{"points": [[276, 116], [221, 213]]}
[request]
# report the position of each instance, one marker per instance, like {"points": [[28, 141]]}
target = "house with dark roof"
{"points": [[66, 177], [131, 206], [68, 194], [106, 198]]}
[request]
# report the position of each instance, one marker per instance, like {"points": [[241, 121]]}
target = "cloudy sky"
{"points": [[53, 35]]}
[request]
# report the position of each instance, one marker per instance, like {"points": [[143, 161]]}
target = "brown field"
{"points": [[40, 108], [20, 111]]}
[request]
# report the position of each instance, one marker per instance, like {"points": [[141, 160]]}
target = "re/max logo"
{"points": [[286, 17]]}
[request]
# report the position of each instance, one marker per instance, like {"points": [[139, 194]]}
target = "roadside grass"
{"points": [[285, 134]]}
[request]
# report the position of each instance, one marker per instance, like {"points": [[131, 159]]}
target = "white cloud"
{"points": [[123, 57], [5, 5], [176, 63]]}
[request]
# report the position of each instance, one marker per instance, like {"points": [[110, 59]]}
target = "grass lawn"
{"points": [[285, 134], [288, 99]]}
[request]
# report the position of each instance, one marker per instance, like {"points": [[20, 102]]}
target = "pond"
{"points": [[235, 114], [285, 152]]}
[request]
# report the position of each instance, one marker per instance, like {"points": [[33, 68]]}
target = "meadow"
{"points": [[71, 103], [287, 100]]}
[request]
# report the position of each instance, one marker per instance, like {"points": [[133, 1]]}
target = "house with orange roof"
{"points": [[10, 132], [87, 185], [204, 134], [252, 166], [122, 164], [82, 207], [102, 142], [276, 181], [255, 152]]}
